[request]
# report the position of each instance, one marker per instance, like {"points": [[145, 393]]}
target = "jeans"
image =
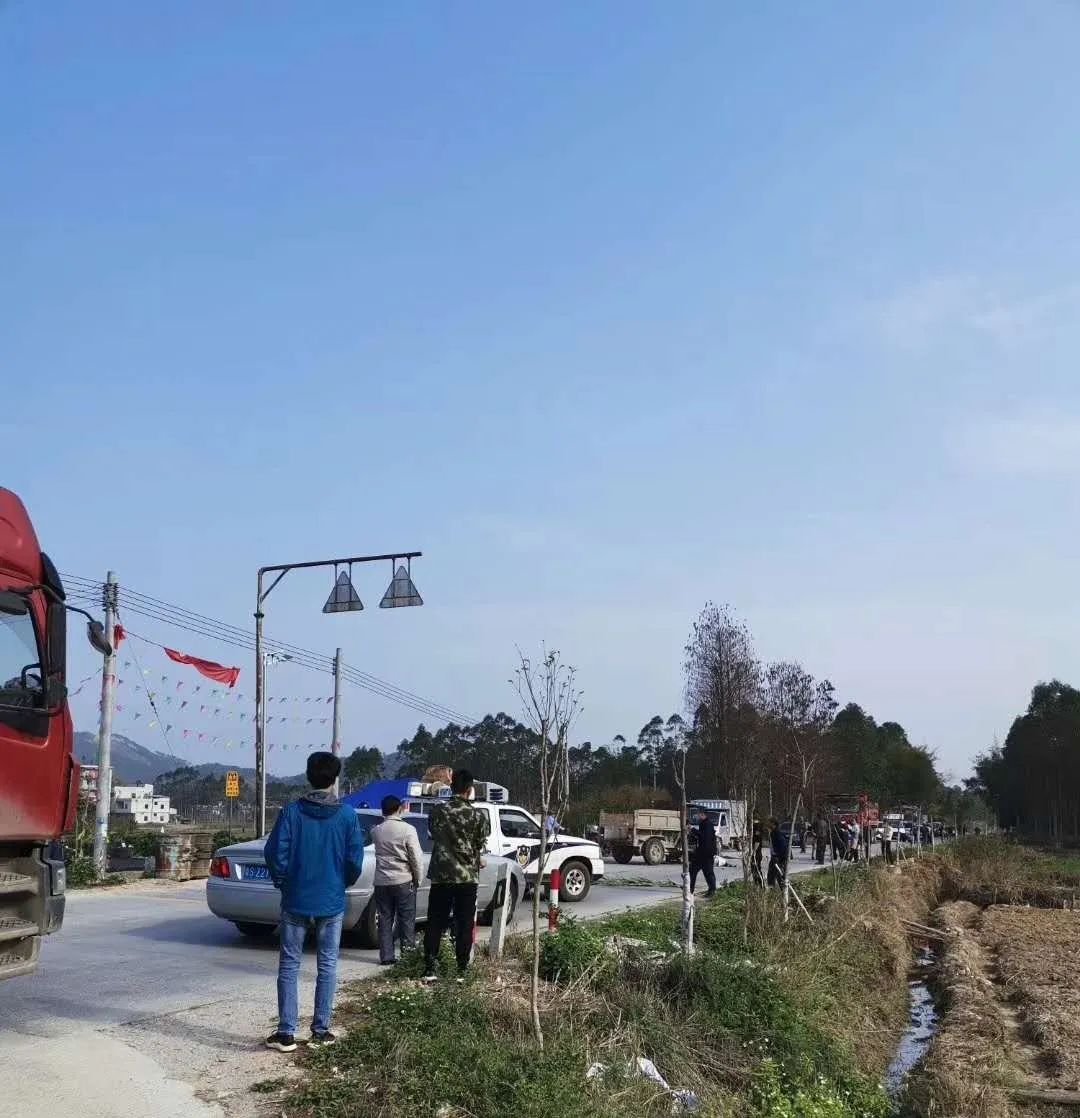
{"points": [[442, 901], [293, 929], [395, 903], [706, 867]]}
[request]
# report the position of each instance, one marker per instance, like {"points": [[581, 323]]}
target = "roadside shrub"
{"points": [[772, 1097], [144, 844], [573, 950], [222, 838], [80, 871]]}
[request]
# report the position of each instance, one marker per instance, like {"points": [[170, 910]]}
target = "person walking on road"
{"points": [[551, 826], [314, 853], [887, 841], [459, 833], [821, 836], [704, 859], [398, 869], [778, 855]]}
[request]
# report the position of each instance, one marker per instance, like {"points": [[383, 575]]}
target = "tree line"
{"points": [[1033, 780], [768, 732]]}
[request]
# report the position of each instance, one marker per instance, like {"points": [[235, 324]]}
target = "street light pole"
{"points": [[260, 716], [400, 593]]}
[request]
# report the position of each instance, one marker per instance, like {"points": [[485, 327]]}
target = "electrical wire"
{"points": [[89, 590]]}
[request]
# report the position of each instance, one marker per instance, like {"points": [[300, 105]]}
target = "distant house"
{"points": [[136, 803]]}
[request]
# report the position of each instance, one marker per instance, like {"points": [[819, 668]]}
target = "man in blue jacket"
{"points": [[314, 853]]}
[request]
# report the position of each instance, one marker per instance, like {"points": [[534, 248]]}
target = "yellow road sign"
{"points": [[232, 785]]}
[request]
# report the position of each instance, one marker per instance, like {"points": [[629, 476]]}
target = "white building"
{"points": [[139, 804]]}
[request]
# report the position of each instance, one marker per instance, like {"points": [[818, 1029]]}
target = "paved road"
{"points": [[146, 1003]]}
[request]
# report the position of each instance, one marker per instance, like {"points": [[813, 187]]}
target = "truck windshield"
{"points": [[20, 662]]}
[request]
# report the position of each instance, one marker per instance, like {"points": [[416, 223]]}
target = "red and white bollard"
{"points": [[553, 900]]}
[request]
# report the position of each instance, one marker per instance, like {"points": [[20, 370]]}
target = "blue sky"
{"points": [[610, 309]]}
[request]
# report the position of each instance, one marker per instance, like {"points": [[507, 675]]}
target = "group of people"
{"points": [[316, 851]]}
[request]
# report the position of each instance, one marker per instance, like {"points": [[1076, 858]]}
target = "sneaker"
{"points": [[430, 978], [322, 1040], [282, 1042]]}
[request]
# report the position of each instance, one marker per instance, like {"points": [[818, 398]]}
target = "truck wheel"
{"points": [[576, 881], [653, 852], [624, 855], [255, 931]]}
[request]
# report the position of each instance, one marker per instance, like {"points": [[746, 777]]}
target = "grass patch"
{"points": [[268, 1086]]}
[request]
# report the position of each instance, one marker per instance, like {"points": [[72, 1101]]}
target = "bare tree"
{"points": [[723, 681], [551, 701], [798, 710], [723, 689]]}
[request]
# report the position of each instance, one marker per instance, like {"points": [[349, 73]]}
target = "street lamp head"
{"points": [[402, 590]]}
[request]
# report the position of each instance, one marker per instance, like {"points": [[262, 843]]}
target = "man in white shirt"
{"points": [[398, 870]]}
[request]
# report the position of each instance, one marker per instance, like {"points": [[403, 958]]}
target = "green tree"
{"points": [[364, 764]]}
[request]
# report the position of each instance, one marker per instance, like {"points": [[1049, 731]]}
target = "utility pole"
{"points": [[335, 741], [108, 691]]}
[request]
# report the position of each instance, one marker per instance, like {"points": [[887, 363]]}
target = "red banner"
{"points": [[208, 668]]}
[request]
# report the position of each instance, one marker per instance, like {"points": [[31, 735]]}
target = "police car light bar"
{"points": [[484, 790]]}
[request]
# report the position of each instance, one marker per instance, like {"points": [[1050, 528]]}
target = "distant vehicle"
{"points": [[515, 832], [728, 817], [655, 834], [39, 776], [239, 888]]}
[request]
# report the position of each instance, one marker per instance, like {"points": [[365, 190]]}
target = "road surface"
{"points": [[145, 1003]]}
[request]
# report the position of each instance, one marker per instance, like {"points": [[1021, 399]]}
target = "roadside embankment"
{"points": [[787, 1020]]}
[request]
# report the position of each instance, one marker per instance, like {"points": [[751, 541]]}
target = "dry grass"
{"points": [[966, 1068], [1038, 965]]}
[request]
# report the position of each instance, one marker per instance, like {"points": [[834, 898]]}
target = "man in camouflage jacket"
{"points": [[459, 835]]}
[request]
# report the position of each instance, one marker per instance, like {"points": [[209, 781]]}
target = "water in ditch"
{"points": [[922, 1025]]}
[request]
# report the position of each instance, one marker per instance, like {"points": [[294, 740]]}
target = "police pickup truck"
{"points": [[512, 832]]}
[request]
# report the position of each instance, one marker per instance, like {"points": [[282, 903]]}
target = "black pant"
{"points": [[819, 851], [396, 906], [776, 872], [444, 900], [705, 866]]}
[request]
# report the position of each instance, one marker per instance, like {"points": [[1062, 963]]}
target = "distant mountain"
{"points": [[135, 764], [131, 763]]}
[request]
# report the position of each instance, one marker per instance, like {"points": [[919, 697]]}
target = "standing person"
{"points": [[887, 841], [704, 857], [821, 835], [459, 833], [778, 855], [398, 869], [551, 825], [314, 853], [758, 854], [852, 841]]}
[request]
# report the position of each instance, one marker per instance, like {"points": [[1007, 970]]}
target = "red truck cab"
{"points": [[39, 777]]}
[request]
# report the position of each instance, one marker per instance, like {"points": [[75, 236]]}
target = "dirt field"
{"points": [[1037, 955], [1009, 981]]}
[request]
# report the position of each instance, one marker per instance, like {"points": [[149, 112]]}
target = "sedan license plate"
{"points": [[256, 873]]}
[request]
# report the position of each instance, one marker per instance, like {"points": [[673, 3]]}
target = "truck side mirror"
{"points": [[95, 634], [13, 604]]}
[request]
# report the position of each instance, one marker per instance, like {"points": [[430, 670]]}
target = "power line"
{"points": [[144, 605], [363, 679]]}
